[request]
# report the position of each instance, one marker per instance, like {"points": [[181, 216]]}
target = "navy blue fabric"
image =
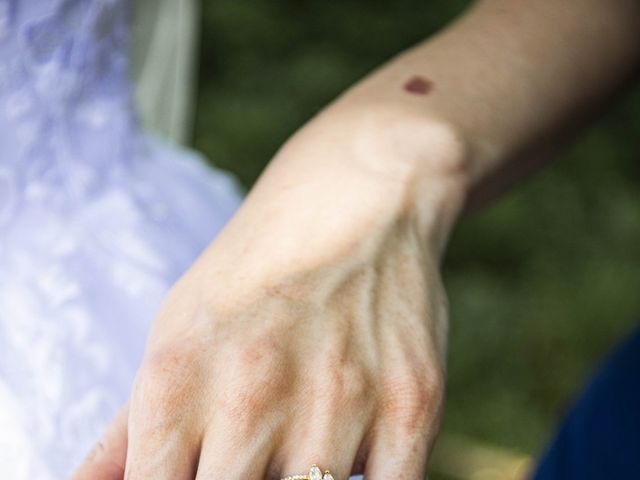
{"points": [[600, 438]]}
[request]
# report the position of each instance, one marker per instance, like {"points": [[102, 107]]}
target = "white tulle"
{"points": [[97, 220]]}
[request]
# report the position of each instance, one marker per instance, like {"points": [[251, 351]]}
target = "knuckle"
{"points": [[341, 383], [167, 361], [257, 364], [415, 397], [349, 383], [166, 378], [254, 380]]}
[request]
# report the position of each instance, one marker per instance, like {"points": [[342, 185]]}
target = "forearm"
{"points": [[513, 77], [498, 86]]}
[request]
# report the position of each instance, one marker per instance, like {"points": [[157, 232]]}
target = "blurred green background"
{"points": [[542, 283]]}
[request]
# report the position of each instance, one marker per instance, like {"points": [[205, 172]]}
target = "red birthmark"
{"points": [[418, 85]]}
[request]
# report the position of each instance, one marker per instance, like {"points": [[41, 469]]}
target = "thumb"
{"points": [[106, 460]]}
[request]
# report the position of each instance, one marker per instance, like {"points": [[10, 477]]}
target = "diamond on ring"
{"points": [[314, 474]]}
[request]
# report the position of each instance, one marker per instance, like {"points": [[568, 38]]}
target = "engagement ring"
{"points": [[314, 474]]}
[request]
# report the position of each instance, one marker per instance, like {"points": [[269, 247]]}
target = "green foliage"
{"points": [[541, 284], [268, 66]]}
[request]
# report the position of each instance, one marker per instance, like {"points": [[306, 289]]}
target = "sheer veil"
{"points": [[164, 56]]}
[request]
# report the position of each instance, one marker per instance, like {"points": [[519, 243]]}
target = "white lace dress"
{"points": [[97, 220]]}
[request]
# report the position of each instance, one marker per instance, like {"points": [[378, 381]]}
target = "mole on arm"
{"points": [[418, 85]]}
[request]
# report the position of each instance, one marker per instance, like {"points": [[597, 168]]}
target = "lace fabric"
{"points": [[97, 220], [66, 116]]}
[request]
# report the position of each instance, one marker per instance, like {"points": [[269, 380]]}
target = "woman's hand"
{"points": [[313, 330]]}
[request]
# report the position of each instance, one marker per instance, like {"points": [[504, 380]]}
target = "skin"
{"points": [[313, 329]]}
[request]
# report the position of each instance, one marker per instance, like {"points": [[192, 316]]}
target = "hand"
{"points": [[296, 339]]}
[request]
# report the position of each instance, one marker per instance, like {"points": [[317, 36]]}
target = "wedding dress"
{"points": [[98, 218]]}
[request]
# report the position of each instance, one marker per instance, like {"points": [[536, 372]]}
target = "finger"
{"points": [[164, 437], [403, 436], [333, 445], [161, 447], [107, 458], [235, 449]]}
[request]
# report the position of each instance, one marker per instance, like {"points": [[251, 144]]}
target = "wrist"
{"points": [[426, 157], [350, 178]]}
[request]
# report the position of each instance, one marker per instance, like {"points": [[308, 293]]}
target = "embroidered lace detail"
{"points": [[65, 105]]}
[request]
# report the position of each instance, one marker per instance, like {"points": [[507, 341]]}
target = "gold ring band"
{"points": [[314, 474]]}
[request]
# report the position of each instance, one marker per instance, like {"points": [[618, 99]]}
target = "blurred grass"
{"points": [[541, 284]]}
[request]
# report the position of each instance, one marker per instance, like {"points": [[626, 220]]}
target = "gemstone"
{"points": [[327, 476], [315, 473]]}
